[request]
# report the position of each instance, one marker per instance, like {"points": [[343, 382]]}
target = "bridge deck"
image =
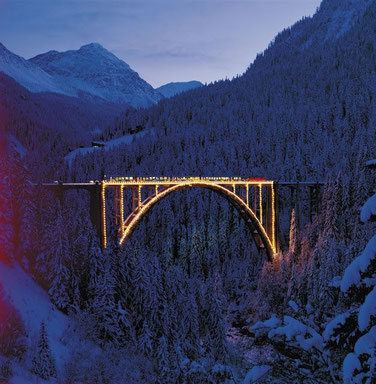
{"points": [[172, 181]]}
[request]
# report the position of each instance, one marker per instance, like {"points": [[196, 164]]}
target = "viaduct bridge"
{"points": [[255, 199]]}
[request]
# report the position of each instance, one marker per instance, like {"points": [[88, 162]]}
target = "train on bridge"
{"points": [[180, 179]]}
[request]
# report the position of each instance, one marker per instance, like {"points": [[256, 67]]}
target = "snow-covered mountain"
{"points": [[172, 89], [26, 73], [92, 71]]}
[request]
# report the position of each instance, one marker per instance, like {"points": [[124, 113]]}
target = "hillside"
{"points": [[289, 98], [172, 89], [41, 121], [33, 304]]}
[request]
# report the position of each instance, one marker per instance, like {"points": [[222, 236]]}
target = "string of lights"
{"points": [[104, 226], [226, 186]]}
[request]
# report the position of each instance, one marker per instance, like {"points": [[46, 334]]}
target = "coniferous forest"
{"points": [[190, 299]]}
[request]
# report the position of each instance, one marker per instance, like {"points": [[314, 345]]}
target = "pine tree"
{"points": [[163, 361], [43, 363], [330, 224], [198, 264], [355, 330], [215, 327], [106, 309], [190, 327], [144, 342], [144, 298], [54, 257]]}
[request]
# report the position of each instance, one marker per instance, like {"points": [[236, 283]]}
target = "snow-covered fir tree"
{"points": [[43, 364]]}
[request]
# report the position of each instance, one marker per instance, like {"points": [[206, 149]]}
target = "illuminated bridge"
{"points": [[255, 199]]}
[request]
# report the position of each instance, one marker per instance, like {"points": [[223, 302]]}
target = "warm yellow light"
{"points": [[226, 184], [121, 209], [104, 229], [229, 181], [260, 202], [273, 220], [139, 197]]}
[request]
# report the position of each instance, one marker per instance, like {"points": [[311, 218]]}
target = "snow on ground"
{"points": [[34, 306], [127, 139], [256, 373], [369, 209], [249, 353], [17, 146]]}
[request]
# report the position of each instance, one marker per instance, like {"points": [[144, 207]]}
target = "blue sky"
{"points": [[163, 40]]}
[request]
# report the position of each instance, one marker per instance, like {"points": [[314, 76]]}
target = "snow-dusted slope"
{"points": [[337, 16], [92, 71], [34, 306], [26, 73], [127, 139], [333, 19], [172, 89]]}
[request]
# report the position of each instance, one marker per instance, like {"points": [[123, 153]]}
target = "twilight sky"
{"points": [[163, 40]]}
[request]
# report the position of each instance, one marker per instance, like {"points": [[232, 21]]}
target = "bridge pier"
{"points": [[276, 226], [59, 195], [96, 212]]}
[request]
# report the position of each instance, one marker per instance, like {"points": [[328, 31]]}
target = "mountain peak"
{"points": [[93, 70], [92, 46], [174, 88], [25, 73], [95, 48]]}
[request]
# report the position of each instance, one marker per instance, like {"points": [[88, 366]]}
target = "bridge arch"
{"points": [[259, 233]]}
